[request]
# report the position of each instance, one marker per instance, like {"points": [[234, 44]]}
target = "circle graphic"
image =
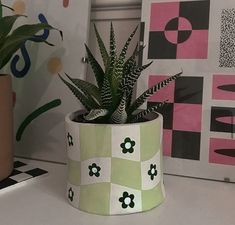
{"points": [[178, 30], [54, 65], [19, 7]]}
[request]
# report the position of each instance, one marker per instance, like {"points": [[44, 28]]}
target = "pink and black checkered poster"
{"points": [[178, 31], [196, 36]]}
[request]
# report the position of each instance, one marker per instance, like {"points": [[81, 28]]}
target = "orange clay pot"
{"points": [[6, 126]]}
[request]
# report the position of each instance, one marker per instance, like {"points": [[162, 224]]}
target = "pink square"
{"points": [[187, 117], [162, 13], [167, 142], [223, 87], [196, 47], [166, 93], [222, 145]]}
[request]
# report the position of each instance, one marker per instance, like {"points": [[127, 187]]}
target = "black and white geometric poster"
{"points": [[196, 36]]}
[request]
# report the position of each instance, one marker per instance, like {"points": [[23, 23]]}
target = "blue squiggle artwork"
{"points": [[20, 73]]}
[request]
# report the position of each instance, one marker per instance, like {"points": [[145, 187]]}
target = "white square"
{"points": [[72, 141], [25, 168], [124, 200], [151, 172], [126, 142], [21, 177], [96, 170], [73, 195]]}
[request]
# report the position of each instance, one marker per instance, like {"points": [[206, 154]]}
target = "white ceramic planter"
{"points": [[114, 169]]}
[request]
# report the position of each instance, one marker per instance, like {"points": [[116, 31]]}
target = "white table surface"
{"points": [[188, 202]]}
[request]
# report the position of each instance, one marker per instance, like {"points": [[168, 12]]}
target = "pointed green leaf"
{"points": [[79, 95], [140, 100], [103, 51], [144, 113], [97, 69], [119, 67], [7, 23], [0, 10], [120, 116], [86, 87], [17, 38], [4, 6], [113, 50], [133, 77], [96, 113], [129, 99], [106, 94], [129, 66]]}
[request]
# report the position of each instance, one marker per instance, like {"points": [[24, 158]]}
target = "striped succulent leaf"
{"points": [[130, 62], [102, 48], [120, 116], [97, 69], [129, 98], [129, 66], [113, 49], [118, 72], [144, 113], [87, 88], [132, 58], [80, 96], [106, 94], [96, 113], [140, 100], [133, 77], [131, 80]]}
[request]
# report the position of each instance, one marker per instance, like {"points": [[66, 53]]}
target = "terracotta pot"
{"points": [[6, 126], [114, 169]]}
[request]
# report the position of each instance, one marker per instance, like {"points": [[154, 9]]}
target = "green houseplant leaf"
{"points": [[103, 50], [87, 88], [12, 39]]}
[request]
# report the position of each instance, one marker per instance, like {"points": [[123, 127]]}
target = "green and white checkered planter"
{"points": [[114, 169]]}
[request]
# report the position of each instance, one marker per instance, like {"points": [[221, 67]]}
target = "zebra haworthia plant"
{"points": [[111, 100]]}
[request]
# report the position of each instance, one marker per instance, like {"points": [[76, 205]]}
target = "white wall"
{"points": [[125, 15]]}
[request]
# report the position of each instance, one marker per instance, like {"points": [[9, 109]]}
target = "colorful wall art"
{"points": [[196, 36], [41, 98]]}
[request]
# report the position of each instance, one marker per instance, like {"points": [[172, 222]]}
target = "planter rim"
{"points": [[69, 119]]}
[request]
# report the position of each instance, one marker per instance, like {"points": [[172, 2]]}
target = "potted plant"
{"points": [[10, 41], [114, 151]]}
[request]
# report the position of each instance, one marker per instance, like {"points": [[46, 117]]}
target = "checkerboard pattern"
{"points": [[21, 172], [178, 31], [115, 169], [182, 115]]}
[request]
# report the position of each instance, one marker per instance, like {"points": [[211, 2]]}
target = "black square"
{"points": [[167, 112], [18, 164], [217, 116], [189, 90], [36, 172], [15, 172], [197, 12], [7, 182], [160, 47], [186, 145]]}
